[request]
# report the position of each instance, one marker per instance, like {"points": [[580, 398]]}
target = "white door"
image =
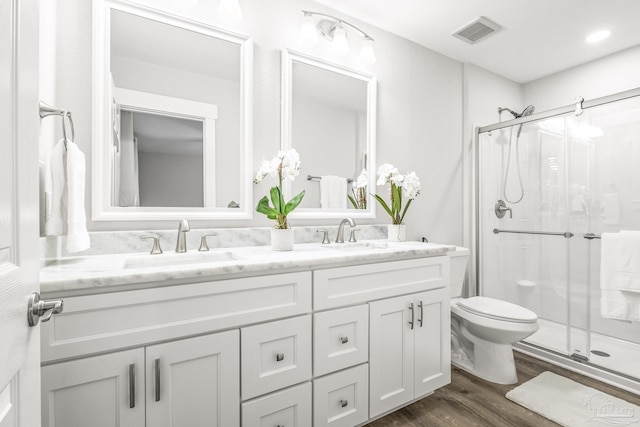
{"points": [[19, 128], [391, 344]]}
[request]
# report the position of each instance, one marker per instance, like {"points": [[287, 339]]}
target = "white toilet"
{"points": [[484, 329]]}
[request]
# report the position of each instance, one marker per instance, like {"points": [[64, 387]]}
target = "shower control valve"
{"points": [[500, 208]]}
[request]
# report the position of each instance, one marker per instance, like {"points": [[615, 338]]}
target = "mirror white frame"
{"points": [[102, 209], [288, 58]]}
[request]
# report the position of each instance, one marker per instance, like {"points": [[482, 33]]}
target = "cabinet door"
{"points": [[194, 382], [289, 408], [95, 391], [391, 344], [432, 341]]}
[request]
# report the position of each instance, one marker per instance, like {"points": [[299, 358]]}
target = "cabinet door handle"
{"points": [[132, 385], [344, 403], [344, 340], [412, 315], [421, 313], [157, 377], [279, 357]]}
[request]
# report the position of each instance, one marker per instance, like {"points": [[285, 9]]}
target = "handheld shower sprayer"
{"points": [[526, 112]]}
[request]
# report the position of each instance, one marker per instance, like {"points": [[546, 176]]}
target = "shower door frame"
{"points": [[612, 377]]}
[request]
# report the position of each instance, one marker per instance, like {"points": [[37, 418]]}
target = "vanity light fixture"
{"points": [[334, 30], [229, 10]]}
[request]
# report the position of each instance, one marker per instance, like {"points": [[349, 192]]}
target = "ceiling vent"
{"points": [[477, 30]]}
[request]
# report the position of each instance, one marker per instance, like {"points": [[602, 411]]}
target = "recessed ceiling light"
{"points": [[598, 36]]}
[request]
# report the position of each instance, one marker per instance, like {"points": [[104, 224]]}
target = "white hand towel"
{"points": [[614, 303], [55, 189], [77, 236], [628, 261], [333, 192]]}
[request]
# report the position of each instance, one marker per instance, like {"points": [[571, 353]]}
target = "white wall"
{"points": [[419, 105], [184, 185], [609, 75], [484, 92]]}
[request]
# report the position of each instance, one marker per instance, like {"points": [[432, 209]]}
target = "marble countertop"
{"points": [[101, 273]]}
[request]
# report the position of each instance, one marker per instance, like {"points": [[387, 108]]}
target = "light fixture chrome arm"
{"points": [[338, 21]]}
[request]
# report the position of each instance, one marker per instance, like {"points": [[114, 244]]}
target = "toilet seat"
{"points": [[496, 309]]}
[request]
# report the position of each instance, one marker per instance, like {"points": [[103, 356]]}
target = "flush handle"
{"points": [[39, 309]]}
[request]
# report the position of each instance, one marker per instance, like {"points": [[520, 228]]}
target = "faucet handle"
{"points": [[325, 236], [156, 249], [352, 236], [203, 242]]}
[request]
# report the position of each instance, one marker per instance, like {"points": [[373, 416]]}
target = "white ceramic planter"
{"points": [[396, 232], [282, 239]]}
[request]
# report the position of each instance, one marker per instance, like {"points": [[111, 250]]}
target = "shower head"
{"points": [[526, 112]]}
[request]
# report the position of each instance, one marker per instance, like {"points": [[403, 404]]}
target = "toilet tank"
{"points": [[459, 259]]}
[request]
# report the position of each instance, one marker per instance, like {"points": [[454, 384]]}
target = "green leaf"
{"points": [[404, 212], [397, 199], [264, 208], [384, 204], [353, 202], [276, 198], [293, 203]]}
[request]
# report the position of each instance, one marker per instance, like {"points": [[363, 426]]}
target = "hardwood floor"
{"points": [[470, 401]]}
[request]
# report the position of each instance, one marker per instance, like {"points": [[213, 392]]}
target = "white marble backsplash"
{"points": [[119, 242]]}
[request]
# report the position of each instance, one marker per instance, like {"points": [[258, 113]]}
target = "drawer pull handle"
{"points": [[132, 385], [344, 403], [421, 313], [157, 372], [344, 340], [279, 357], [412, 315]]}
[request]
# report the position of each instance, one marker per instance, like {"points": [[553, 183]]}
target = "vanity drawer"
{"points": [[342, 399], [275, 355], [98, 323], [290, 408], [342, 286], [341, 339]]}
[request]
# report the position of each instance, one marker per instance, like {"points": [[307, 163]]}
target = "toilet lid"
{"points": [[497, 309]]}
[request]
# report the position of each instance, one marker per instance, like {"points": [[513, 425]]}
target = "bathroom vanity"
{"points": [[326, 335]]}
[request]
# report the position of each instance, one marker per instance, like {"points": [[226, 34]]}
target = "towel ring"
{"points": [[67, 115]]}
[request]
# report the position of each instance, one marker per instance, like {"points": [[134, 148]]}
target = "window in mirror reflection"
{"points": [[166, 81], [329, 130]]}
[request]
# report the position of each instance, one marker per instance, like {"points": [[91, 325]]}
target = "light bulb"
{"points": [[308, 32], [339, 44], [367, 54], [229, 10]]}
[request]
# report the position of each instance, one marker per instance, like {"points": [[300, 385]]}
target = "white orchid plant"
{"points": [[284, 164], [401, 185], [358, 196]]}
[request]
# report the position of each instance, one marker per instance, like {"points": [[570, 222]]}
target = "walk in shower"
{"points": [[548, 185]]}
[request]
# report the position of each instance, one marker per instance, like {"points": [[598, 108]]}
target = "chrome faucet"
{"points": [[181, 241], [340, 235]]}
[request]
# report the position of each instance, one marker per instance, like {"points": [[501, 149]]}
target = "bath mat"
{"points": [[571, 404]]}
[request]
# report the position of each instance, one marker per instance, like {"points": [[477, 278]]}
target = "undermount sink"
{"points": [[178, 259], [357, 246]]}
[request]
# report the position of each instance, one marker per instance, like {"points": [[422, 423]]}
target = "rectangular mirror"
{"points": [[328, 116], [172, 117]]}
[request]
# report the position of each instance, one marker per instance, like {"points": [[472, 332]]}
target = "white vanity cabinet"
{"points": [[252, 351], [410, 346], [190, 382]]}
